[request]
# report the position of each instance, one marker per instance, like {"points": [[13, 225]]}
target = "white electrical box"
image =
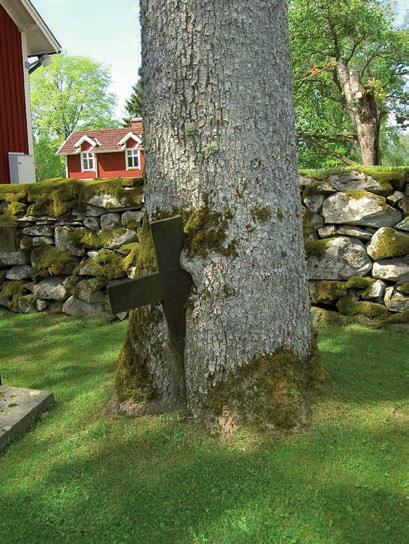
{"points": [[21, 168]]}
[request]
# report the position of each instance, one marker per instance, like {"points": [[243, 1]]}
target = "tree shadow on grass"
{"points": [[161, 491]]}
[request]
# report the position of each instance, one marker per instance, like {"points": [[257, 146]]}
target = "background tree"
{"points": [[220, 150], [70, 94], [350, 69], [133, 105]]}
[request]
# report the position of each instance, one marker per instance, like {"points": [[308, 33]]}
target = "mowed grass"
{"points": [[82, 476]]}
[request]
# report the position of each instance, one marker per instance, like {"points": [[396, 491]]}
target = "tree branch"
{"points": [[313, 139]]}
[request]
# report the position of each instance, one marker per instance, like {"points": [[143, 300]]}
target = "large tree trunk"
{"points": [[364, 112], [220, 149]]}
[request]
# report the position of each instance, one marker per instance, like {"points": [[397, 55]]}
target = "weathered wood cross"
{"points": [[170, 285]]}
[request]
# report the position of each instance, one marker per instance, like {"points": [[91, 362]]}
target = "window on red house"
{"points": [[87, 162], [132, 159]]}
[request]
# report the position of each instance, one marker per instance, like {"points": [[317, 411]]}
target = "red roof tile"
{"points": [[108, 138]]}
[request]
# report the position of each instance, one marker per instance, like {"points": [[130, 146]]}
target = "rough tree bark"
{"points": [[220, 148], [363, 111]]}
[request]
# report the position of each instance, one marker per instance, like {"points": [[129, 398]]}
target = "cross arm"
{"points": [[127, 294]]}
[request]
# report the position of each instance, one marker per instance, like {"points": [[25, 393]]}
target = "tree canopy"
{"points": [[133, 105], [70, 94], [358, 36]]}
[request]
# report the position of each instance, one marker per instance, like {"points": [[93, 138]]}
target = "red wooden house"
{"points": [[106, 153], [24, 36]]}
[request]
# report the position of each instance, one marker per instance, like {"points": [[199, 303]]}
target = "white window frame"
{"points": [[132, 153], [86, 158]]}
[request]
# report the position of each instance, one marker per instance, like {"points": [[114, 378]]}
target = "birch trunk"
{"points": [[220, 144], [363, 111]]}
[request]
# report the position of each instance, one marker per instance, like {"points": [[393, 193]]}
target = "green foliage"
{"points": [[395, 147], [48, 164], [133, 105], [81, 476], [70, 94], [360, 32]]}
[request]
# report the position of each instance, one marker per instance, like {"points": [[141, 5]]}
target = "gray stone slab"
{"points": [[19, 408]]}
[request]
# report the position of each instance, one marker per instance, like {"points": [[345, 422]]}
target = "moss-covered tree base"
{"points": [[274, 391]]}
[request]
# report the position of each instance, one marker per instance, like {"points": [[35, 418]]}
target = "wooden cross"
{"points": [[170, 285]]}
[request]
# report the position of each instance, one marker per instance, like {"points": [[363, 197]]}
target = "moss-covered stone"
{"points": [[349, 306], [380, 173], [327, 291], [50, 261], [107, 264], [330, 291], [358, 282], [56, 197], [388, 242], [26, 242], [317, 188], [53, 198], [12, 288], [113, 193], [13, 192], [404, 288], [99, 239], [272, 391]]}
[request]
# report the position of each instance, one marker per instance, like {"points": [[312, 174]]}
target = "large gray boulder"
{"points": [[51, 289], [360, 208], [79, 308], [357, 181], [391, 269], [337, 259]]}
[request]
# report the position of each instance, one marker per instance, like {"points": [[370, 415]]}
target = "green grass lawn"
{"points": [[81, 476]]}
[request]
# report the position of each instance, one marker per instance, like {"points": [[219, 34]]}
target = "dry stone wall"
{"points": [[64, 241], [356, 229], [74, 237]]}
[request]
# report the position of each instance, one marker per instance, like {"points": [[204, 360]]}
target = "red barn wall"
{"points": [[13, 120]]}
